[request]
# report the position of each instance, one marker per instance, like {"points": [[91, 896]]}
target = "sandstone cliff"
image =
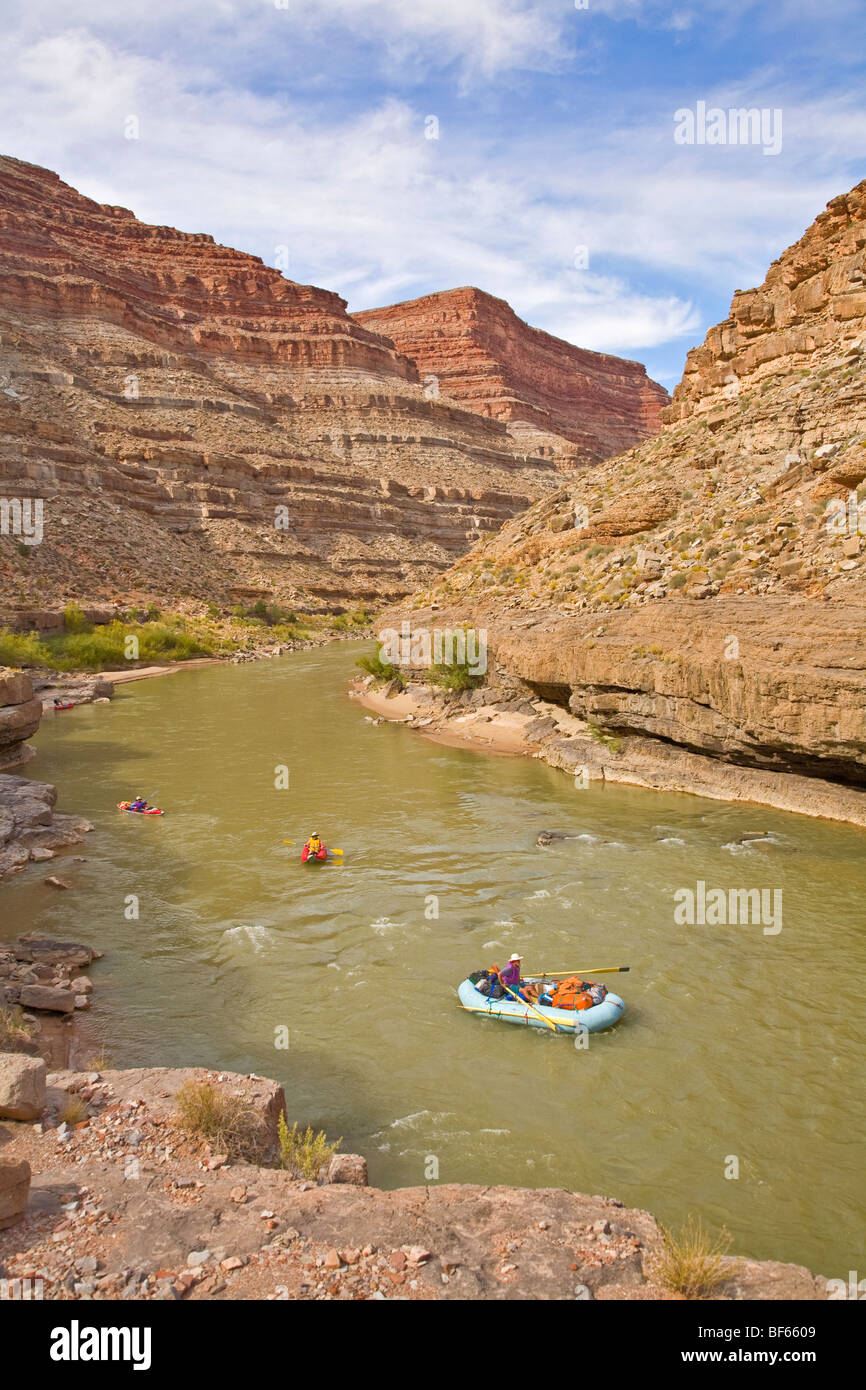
{"points": [[704, 591], [575, 405], [195, 424]]}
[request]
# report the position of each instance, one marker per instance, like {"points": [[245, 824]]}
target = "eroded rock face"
{"points": [[20, 713], [814, 298], [169, 398], [704, 593], [581, 406], [30, 828]]}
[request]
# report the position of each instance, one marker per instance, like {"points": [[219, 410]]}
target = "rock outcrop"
{"points": [[30, 828], [20, 713], [126, 1204], [575, 405], [194, 424], [703, 594]]}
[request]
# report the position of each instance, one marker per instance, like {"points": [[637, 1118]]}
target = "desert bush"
{"points": [[72, 1109], [22, 649], [15, 1031], [74, 619], [304, 1154], [691, 1263], [223, 1120], [382, 670]]}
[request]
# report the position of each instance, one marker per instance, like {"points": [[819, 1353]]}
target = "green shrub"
{"points": [[74, 619], [382, 670], [304, 1155], [609, 740], [676, 581], [454, 676], [22, 649]]}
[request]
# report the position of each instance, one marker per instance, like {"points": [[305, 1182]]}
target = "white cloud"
{"points": [[369, 207]]}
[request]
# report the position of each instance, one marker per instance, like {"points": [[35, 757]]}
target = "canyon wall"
{"points": [[196, 426], [705, 591], [578, 405]]}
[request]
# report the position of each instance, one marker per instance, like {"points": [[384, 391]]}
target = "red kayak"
{"points": [[320, 854], [67, 705], [127, 806]]}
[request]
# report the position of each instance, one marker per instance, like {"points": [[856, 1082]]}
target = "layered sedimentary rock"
{"points": [[704, 592], [575, 405], [20, 713], [192, 423]]}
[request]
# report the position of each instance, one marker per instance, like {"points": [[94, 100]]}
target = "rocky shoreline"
{"points": [[119, 1202], [506, 716]]}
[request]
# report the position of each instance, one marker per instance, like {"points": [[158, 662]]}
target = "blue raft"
{"points": [[603, 1015]]}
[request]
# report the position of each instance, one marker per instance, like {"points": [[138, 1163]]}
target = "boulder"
{"points": [[54, 1000], [22, 1086], [47, 950], [348, 1168], [14, 1190]]}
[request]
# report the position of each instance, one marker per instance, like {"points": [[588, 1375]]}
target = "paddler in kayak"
{"points": [[139, 804], [314, 845]]}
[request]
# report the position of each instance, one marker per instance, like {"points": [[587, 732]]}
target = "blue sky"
{"points": [[298, 131]]}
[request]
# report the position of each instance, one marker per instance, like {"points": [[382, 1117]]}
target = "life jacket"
{"points": [[572, 993]]}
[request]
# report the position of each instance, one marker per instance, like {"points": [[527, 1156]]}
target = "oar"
{"points": [[584, 974], [529, 1006], [330, 851]]}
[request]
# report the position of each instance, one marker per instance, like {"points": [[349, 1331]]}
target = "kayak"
{"points": [[151, 810], [67, 705], [603, 1015], [307, 857]]}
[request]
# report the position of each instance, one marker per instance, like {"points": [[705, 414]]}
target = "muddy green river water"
{"points": [[741, 1051]]}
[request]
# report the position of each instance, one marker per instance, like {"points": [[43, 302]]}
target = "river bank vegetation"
{"points": [[149, 636]]}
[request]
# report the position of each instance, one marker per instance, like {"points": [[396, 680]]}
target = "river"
{"points": [[741, 1051]]}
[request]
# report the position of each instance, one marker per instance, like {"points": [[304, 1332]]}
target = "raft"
{"points": [[600, 1016], [151, 810]]}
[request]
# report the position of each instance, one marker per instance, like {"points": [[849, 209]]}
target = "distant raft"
{"points": [[593, 1020]]}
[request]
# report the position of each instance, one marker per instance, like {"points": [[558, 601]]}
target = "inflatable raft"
{"points": [[603, 1015]]}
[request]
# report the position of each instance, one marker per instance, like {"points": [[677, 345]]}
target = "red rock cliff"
{"points": [[489, 360], [63, 253]]}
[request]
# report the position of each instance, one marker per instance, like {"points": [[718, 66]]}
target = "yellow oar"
{"points": [[529, 1006], [330, 851], [584, 974]]}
